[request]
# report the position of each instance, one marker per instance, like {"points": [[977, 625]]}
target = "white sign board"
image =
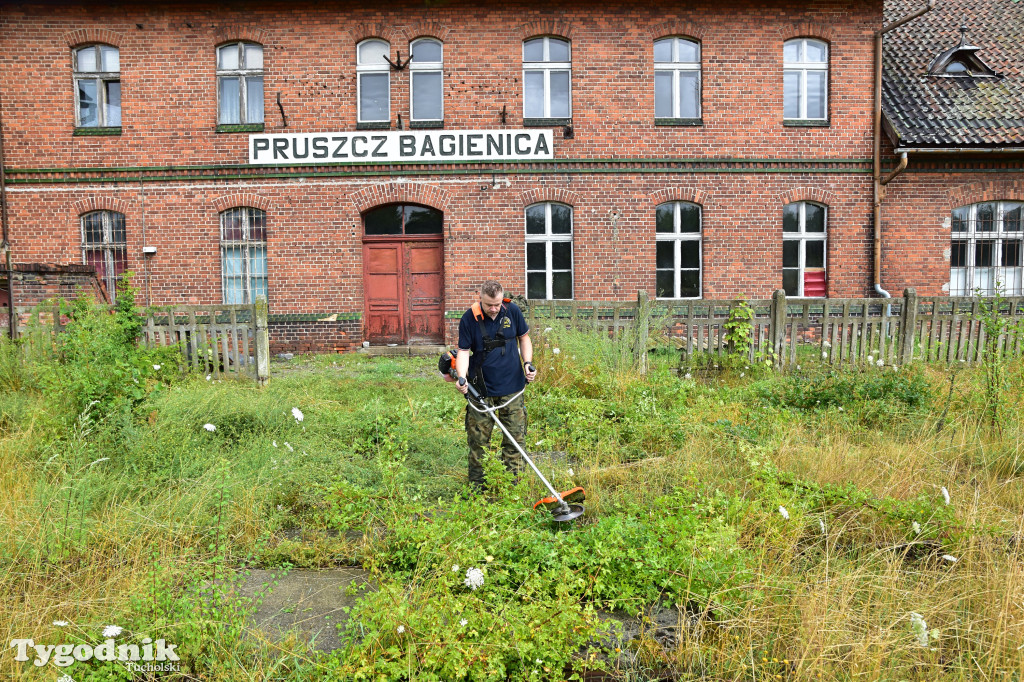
{"points": [[388, 146]]}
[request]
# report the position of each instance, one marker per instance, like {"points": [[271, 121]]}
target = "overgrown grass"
{"points": [[796, 521]]}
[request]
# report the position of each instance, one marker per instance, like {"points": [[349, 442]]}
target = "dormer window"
{"points": [[961, 61]]}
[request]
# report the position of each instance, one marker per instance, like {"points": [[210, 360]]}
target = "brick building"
{"points": [[365, 168]]}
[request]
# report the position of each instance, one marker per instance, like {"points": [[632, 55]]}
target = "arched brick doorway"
{"points": [[403, 280]]}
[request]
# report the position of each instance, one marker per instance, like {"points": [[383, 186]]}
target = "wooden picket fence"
{"points": [[891, 331]]}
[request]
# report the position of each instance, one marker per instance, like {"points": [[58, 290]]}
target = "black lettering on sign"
{"points": [[260, 145], [380, 140], [295, 147], [280, 146], [338, 154], [495, 144], [406, 145], [449, 149], [522, 151], [319, 147], [428, 146], [359, 138], [542, 145], [471, 141]]}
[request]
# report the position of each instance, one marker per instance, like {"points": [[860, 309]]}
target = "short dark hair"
{"points": [[491, 288]]}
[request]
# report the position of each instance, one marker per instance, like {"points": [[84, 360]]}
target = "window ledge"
{"points": [[547, 122], [373, 125], [97, 131], [806, 123], [413, 125], [678, 121], [239, 127]]}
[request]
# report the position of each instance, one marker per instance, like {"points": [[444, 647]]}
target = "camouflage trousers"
{"points": [[479, 427]]}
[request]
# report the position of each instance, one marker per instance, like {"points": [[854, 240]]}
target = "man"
{"points": [[496, 334]]}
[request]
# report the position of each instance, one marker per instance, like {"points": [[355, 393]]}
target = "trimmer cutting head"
{"points": [[574, 512]]}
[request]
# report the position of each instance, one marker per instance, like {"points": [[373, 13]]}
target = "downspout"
{"points": [[5, 244], [877, 157]]}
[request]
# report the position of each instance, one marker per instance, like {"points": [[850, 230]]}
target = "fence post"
{"points": [[908, 323], [259, 309], [778, 325], [643, 329]]}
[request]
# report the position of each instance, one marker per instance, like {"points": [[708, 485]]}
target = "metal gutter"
{"points": [[5, 244], [960, 150], [877, 155]]}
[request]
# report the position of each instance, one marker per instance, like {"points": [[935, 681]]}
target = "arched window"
{"points": [[678, 244], [402, 219], [105, 247], [676, 78], [987, 241], [239, 83], [243, 252], [547, 66], [805, 79], [804, 235], [97, 73], [549, 251], [374, 81], [426, 64]]}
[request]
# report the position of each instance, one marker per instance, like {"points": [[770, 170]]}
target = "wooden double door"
{"points": [[404, 290]]}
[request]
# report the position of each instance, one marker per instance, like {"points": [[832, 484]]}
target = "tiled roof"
{"points": [[925, 111]]}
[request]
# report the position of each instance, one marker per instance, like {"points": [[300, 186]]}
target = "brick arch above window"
{"points": [[677, 27], [241, 200], [809, 29], [366, 30], [978, 192], [425, 29], [99, 203], [815, 194], [690, 194], [230, 33], [547, 27], [557, 194], [86, 36], [401, 193]]}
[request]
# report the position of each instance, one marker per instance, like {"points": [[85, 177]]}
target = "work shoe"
{"points": [[576, 494]]}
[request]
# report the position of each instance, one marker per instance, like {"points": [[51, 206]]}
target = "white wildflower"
{"points": [[297, 413], [455, 568], [917, 527], [742, 374], [401, 629], [871, 359], [841, 409], [950, 558], [821, 524], [474, 578], [920, 628], [463, 622], [210, 427], [546, 330], [556, 351], [571, 472], [60, 623], [539, 662], [112, 631], [784, 512], [826, 344], [156, 367], [274, 443], [880, 363], [688, 376], [280, 507], [208, 376], [945, 494], [824, 356], [289, 446]]}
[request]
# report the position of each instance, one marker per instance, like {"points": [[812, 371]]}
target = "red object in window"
{"points": [[814, 284]]}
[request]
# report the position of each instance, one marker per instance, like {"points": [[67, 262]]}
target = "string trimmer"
{"points": [[561, 510]]}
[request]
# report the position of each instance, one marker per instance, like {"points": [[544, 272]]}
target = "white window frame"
{"points": [[964, 281], [246, 244], [365, 69], [548, 67], [802, 67], [803, 236], [677, 67], [417, 68], [677, 238], [549, 238], [101, 78], [108, 246], [242, 73]]}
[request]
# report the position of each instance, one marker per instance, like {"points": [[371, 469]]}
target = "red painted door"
{"points": [[404, 285]]}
